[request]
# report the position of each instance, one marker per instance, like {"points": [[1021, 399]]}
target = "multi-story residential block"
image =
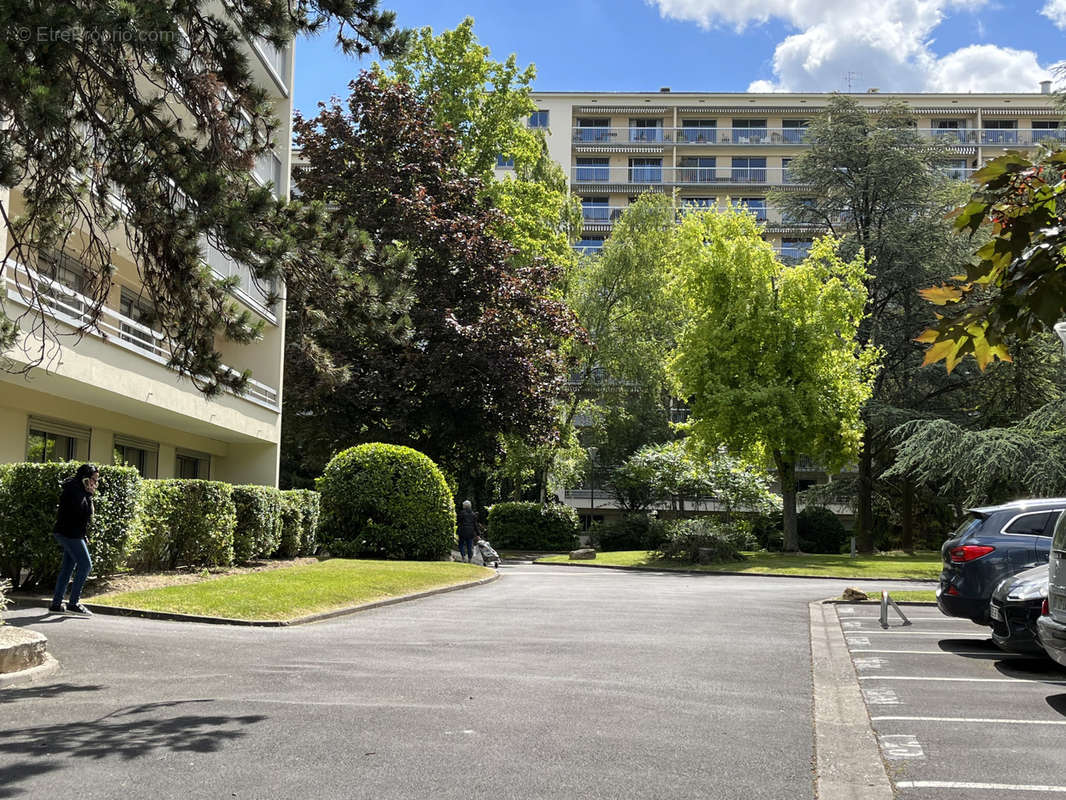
{"points": [[708, 150], [109, 395], [711, 150]]}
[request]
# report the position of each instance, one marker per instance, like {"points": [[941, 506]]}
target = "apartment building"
{"points": [[710, 150], [109, 396]]}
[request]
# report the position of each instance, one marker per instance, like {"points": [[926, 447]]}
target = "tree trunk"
{"points": [[864, 522], [908, 516], [786, 470]]}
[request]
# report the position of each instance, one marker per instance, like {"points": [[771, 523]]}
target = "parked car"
{"points": [[1051, 626], [1016, 606], [992, 543]]}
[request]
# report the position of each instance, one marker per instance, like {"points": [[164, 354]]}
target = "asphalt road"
{"points": [[551, 682]]}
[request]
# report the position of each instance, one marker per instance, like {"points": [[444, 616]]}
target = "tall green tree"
{"points": [[879, 187], [767, 355], [98, 157]]}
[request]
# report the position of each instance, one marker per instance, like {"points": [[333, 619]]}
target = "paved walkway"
{"points": [[551, 682]]}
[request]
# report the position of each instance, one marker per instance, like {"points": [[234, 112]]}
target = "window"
{"points": [[750, 131], [793, 130], [135, 307], [753, 205], [645, 130], [1044, 130], [698, 130], [749, 170], [949, 130], [795, 250], [956, 168], [538, 119], [594, 209], [142, 456], [695, 169], [504, 162], [67, 271], [589, 245], [645, 170], [1030, 524], [593, 169], [191, 465], [1000, 131], [699, 202], [50, 440], [593, 130], [785, 176]]}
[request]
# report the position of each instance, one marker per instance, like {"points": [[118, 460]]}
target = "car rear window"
{"points": [[1030, 524], [968, 524]]}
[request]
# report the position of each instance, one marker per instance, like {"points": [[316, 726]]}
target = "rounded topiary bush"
{"points": [[385, 501], [820, 530]]}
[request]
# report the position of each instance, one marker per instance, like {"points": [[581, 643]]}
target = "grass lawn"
{"points": [[892, 565], [298, 591]]}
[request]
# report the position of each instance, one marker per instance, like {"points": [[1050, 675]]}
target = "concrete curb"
{"points": [[848, 764], [740, 574], [46, 669], [282, 623]]}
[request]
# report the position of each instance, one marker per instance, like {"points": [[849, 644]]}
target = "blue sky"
{"points": [[738, 45]]}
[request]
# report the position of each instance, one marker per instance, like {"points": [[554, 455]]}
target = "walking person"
{"points": [[468, 531], [72, 533]]}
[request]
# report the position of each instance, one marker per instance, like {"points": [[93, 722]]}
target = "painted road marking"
{"points": [[870, 663], [902, 632], [959, 680], [1004, 787], [861, 641], [900, 746], [924, 619], [881, 696], [845, 610], [968, 653], [976, 720], [850, 624]]}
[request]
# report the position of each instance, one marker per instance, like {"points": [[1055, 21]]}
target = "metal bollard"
{"points": [[886, 601]]}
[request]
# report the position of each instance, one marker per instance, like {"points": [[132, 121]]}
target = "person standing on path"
{"points": [[72, 533], [468, 531]]}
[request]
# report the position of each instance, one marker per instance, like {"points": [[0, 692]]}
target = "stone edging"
{"points": [[283, 623], [48, 667], [741, 574], [848, 763]]}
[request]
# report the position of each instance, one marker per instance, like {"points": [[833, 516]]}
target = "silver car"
{"points": [[1051, 627]]}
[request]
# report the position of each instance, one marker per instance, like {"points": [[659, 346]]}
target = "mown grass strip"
{"points": [[923, 566], [299, 591]]}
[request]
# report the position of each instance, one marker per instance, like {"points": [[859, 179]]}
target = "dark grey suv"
{"points": [[992, 543]]}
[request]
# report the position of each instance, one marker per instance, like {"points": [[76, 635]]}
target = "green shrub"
{"points": [[769, 531], [258, 531], [299, 523], [310, 506], [632, 532], [530, 526], [820, 530], [385, 501], [184, 523], [719, 542], [29, 494]]}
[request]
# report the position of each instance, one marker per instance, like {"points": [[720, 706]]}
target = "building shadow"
{"points": [[124, 734]]}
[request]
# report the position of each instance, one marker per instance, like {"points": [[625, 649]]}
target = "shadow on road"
{"points": [[1036, 668], [44, 692], [970, 648], [126, 733], [1057, 702]]}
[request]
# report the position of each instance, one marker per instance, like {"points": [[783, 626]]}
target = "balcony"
{"points": [[601, 215], [275, 62], [68, 306], [268, 171], [623, 137], [724, 176]]}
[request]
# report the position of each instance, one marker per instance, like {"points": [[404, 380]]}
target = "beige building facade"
{"points": [[711, 150], [108, 395]]}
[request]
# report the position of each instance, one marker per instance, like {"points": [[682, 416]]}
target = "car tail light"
{"points": [[969, 552], [952, 590], [1045, 610]]}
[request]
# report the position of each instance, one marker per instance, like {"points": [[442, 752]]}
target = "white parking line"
{"points": [[1003, 787], [874, 618], [974, 720], [901, 632], [968, 653], [958, 680]]}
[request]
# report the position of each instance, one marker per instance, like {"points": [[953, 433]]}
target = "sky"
{"points": [[737, 45]]}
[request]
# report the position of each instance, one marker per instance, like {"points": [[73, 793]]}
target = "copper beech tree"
{"points": [[464, 342]]}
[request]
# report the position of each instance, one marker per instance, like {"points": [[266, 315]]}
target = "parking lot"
{"points": [[955, 716]]}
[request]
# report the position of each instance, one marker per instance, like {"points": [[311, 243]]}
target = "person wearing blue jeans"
{"points": [[72, 533]]}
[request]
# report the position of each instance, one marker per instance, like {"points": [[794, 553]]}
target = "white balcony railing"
{"points": [[645, 175], [276, 58], [267, 170], [70, 307]]}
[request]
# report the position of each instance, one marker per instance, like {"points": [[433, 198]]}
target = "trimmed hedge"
{"points": [[259, 522], [385, 501], [820, 530], [719, 542], [633, 532], [29, 494], [299, 523], [184, 523], [530, 526]]}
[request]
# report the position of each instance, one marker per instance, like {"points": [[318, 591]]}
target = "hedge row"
{"points": [[530, 526], [149, 524]]}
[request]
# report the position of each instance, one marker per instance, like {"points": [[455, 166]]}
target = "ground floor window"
{"points": [[192, 465], [141, 455], [50, 440]]}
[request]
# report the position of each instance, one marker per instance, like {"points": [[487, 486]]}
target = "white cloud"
{"points": [[883, 43], [1055, 10]]}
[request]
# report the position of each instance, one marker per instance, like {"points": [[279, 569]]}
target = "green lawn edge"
{"points": [[921, 566], [296, 592]]}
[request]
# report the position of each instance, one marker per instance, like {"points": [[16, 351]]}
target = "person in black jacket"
{"points": [[468, 531], [71, 531]]}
